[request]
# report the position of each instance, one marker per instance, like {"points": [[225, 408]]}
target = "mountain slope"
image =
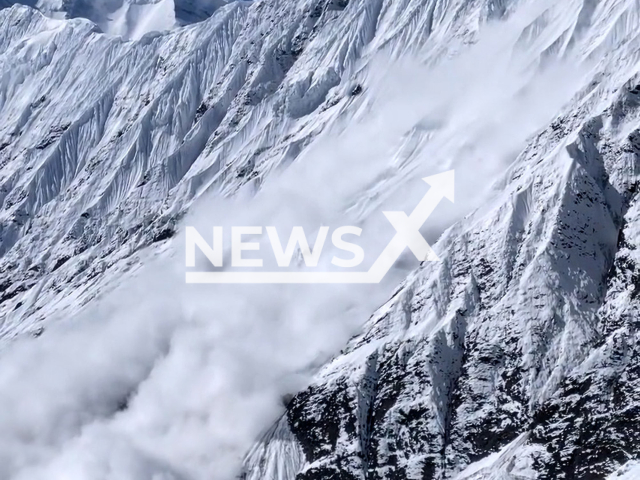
{"points": [[511, 358], [125, 18], [118, 138], [523, 341]]}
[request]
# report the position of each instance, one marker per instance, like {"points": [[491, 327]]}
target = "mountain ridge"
{"points": [[512, 358]]}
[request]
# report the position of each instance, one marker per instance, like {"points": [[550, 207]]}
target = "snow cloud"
{"points": [[163, 380]]}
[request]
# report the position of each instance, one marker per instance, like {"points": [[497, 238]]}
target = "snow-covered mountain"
{"points": [[129, 19], [515, 357]]}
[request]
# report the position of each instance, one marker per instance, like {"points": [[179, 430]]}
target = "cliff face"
{"points": [[515, 357]]}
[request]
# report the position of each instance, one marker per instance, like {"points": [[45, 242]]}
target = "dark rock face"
{"points": [[517, 355], [190, 11], [592, 425]]}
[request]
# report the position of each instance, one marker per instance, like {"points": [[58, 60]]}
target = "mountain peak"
{"points": [[130, 19]]}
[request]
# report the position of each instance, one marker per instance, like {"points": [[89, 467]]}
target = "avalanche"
{"points": [[515, 357]]}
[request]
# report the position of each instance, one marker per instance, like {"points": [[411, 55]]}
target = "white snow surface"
{"points": [[274, 112], [130, 19], [629, 471]]}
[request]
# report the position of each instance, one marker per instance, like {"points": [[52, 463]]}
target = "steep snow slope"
{"points": [[516, 357], [167, 380], [487, 365], [130, 19], [117, 138]]}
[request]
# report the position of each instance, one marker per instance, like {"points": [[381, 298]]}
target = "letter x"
{"points": [[408, 229]]}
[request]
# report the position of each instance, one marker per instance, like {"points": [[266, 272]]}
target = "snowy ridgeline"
{"points": [[129, 19], [516, 357]]}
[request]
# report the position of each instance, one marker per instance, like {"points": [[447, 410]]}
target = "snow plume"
{"points": [[163, 380]]}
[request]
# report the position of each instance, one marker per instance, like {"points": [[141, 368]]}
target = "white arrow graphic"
{"points": [[408, 228], [407, 235]]}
